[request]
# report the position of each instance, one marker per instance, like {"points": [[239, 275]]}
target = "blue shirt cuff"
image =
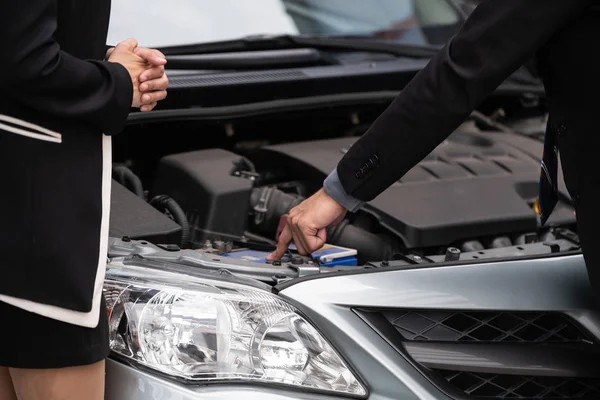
{"points": [[333, 187]]}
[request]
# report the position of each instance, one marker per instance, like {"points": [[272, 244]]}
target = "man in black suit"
{"points": [[62, 96], [498, 37]]}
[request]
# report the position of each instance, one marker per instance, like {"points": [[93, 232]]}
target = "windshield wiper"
{"points": [[287, 42]]}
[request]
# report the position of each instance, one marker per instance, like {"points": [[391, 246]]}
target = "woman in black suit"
{"points": [[60, 102]]}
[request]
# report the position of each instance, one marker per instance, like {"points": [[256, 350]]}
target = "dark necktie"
{"points": [[548, 192]]}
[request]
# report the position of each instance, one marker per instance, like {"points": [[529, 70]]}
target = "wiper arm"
{"points": [[287, 42]]}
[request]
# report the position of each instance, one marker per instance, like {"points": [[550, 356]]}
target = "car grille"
{"points": [[491, 386], [485, 326], [495, 354]]}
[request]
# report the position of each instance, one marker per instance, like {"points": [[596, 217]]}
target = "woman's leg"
{"points": [[66, 363], [71, 383], [7, 391]]}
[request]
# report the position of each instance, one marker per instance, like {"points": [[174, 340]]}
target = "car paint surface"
{"points": [[127, 383], [556, 283]]}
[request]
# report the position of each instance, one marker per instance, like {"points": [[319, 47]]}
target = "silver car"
{"points": [[443, 287]]}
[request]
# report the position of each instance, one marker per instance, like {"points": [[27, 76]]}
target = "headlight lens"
{"points": [[205, 330]]}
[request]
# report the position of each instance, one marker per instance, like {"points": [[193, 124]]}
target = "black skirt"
{"points": [[31, 341]]}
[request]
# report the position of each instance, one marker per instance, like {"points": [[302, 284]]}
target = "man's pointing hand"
{"points": [[307, 223]]}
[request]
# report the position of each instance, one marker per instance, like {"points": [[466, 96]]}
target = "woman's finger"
{"points": [[153, 97], [155, 84], [148, 107], [152, 73], [151, 56]]}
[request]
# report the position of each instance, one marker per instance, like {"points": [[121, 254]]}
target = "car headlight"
{"points": [[203, 330]]}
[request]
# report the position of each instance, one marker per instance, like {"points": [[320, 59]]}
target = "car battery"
{"points": [[327, 256], [334, 256]]}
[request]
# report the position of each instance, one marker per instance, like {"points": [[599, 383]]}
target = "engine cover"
{"points": [[203, 183], [132, 216], [471, 186]]}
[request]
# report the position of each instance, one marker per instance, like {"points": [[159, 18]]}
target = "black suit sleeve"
{"points": [[37, 74], [498, 37]]}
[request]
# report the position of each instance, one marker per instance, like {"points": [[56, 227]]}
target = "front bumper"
{"points": [[332, 303], [127, 383]]}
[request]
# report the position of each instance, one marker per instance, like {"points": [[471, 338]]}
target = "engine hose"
{"points": [[369, 245], [127, 178], [268, 204], [165, 203]]}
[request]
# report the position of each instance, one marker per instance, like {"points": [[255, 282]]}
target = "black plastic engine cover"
{"points": [[472, 185], [214, 200], [132, 216]]}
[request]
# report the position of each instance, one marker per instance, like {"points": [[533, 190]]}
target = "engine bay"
{"points": [[470, 199]]}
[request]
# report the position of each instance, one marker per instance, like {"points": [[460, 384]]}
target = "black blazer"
{"points": [[59, 102], [498, 37]]}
